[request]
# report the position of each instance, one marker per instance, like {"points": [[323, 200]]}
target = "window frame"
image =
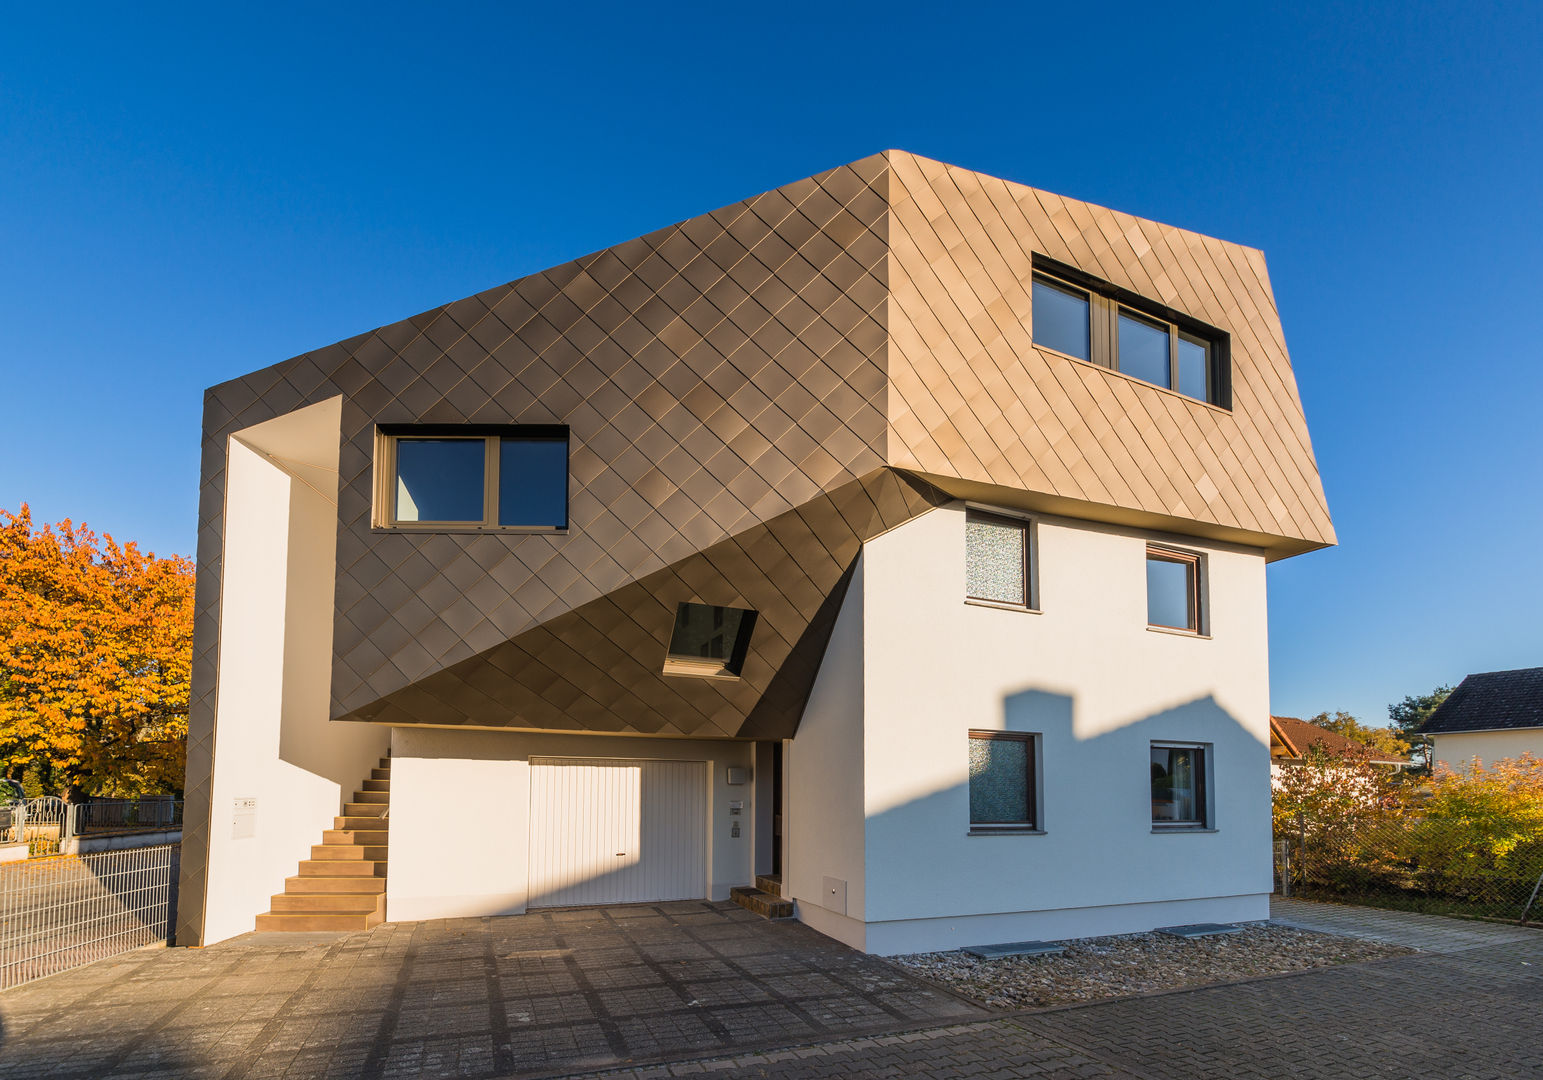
{"points": [[1195, 562], [1203, 803], [492, 436], [1032, 774], [704, 667], [1026, 526], [1107, 302]]}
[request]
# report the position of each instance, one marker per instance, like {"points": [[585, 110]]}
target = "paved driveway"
{"points": [[547, 993], [694, 983]]}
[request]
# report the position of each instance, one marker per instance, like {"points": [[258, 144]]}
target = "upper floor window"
{"points": [[996, 559], [450, 477], [1173, 590], [1107, 326]]}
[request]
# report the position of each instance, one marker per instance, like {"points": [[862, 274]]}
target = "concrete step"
{"points": [[296, 886], [763, 904], [342, 868], [380, 774], [377, 785], [360, 821], [769, 883], [347, 853], [327, 903], [372, 837], [379, 798], [295, 921]]}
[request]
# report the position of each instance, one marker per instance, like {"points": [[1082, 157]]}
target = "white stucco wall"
{"points": [[273, 741], [1457, 749], [460, 814], [1098, 687], [823, 810]]}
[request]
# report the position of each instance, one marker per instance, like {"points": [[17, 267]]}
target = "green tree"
{"points": [[1409, 717]]}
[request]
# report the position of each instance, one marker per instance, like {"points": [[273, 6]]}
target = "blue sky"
{"points": [[188, 193]]}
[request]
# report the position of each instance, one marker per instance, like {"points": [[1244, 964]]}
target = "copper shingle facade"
{"points": [[752, 394]]}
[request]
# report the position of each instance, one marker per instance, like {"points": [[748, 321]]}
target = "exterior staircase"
{"points": [[765, 898], [342, 886]]}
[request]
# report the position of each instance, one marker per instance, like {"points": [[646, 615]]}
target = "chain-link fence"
{"points": [[58, 913], [1443, 865]]}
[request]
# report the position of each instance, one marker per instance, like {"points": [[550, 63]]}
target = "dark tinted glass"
{"points": [[533, 482], [1144, 350], [1177, 779], [1061, 319], [703, 632], [1194, 365], [439, 479], [999, 782], [1168, 593]]}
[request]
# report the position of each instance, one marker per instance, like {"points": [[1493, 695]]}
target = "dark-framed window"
{"points": [[1173, 589], [709, 641], [1081, 317], [451, 477], [997, 559], [1003, 782], [1179, 786]]}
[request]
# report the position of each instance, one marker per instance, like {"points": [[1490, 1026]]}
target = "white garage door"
{"points": [[617, 831]]}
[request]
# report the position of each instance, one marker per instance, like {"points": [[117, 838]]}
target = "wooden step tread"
{"points": [[326, 903], [342, 837], [319, 884], [342, 868], [348, 853], [298, 921]]}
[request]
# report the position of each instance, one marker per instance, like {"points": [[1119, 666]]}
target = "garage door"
{"points": [[605, 831]]}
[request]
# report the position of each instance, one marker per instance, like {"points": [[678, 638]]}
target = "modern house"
{"points": [[896, 538], [1291, 738], [1490, 716]]}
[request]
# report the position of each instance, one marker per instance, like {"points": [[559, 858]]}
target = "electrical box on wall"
{"points": [[738, 775]]}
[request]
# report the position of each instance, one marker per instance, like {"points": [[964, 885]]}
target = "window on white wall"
{"points": [[1173, 590], [1179, 786], [1002, 781], [996, 559]]}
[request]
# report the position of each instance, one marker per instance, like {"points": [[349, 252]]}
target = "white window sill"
{"points": [[1005, 830], [1000, 606], [1178, 632]]}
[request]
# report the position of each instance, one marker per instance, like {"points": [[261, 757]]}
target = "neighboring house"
{"points": [[1490, 716], [1290, 739], [898, 535]]}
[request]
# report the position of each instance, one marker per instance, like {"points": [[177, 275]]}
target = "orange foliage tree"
{"points": [[95, 653]]}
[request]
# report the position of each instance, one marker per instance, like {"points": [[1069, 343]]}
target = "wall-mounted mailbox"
{"points": [[738, 775]]}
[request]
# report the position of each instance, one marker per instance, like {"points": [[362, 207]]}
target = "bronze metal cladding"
{"points": [[750, 395]]}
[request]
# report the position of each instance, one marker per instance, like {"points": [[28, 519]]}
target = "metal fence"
{"points": [[45, 823], [58, 913], [1443, 865]]}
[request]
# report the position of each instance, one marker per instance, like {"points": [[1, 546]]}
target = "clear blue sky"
{"points": [[187, 194]]}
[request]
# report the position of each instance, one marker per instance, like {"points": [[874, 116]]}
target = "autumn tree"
{"points": [[1385, 740], [95, 655]]}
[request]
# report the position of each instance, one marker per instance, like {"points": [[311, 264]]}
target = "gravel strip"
{"points": [[1093, 968]]}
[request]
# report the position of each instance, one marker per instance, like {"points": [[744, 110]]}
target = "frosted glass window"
{"points": [[1143, 350], [1178, 785], [996, 559], [439, 479], [1001, 779], [1061, 319]]}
